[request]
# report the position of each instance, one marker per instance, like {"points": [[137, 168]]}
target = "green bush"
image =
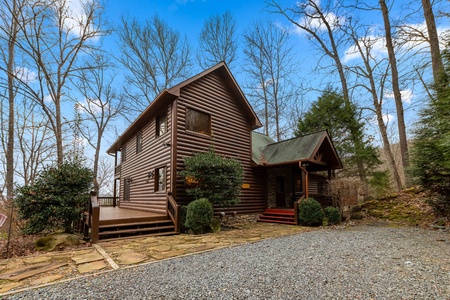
{"points": [[183, 212], [310, 212], [199, 216], [214, 177], [56, 199], [332, 214]]}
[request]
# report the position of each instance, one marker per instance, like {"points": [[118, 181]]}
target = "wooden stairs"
{"points": [[134, 227], [278, 215]]}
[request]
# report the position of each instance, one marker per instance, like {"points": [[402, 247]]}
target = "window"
{"points": [[161, 125], [160, 179], [126, 188], [139, 142], [198, 121], [124, 151]]}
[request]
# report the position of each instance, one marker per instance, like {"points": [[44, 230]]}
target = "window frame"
{"points": [[123, 155], [139, 142], [192, 129], [158, 188], [160, 117], [126, 188]]}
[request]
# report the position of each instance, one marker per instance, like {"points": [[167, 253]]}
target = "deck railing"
{"points": [[106, 201], [174, 212], [93, 218]]}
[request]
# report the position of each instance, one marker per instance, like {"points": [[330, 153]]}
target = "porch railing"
{"points": [[106, 201], [174, 212], [92, 219]]}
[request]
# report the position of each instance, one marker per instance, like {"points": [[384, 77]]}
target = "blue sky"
{"points": [[187, 17]]}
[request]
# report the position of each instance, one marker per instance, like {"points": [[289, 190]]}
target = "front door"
{"points": [[280, 192]]}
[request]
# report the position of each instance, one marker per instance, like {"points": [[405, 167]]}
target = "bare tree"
{"points": [[9, 30], [374, 85], [322, 26], [155, 58], [35, 146], [395, 87], [105, 176], [218, 41], [436, 60], [53, 37], [271, 66], [100, 105]]}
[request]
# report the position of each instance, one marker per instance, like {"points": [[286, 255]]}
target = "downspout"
{"points": [[306, 183], [115, 181]]}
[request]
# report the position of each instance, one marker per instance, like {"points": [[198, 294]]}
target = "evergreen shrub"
{"points": [[214, 177], [56, 199], [332, 214], [310, 212], [199, 216]]}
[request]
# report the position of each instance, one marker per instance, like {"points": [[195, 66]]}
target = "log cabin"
{"points": [[207, 109]]}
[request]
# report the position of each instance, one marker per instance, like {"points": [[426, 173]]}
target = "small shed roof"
{"points": [[303, 148]]}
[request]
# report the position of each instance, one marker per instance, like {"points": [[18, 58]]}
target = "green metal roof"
{"points": [[267, 152], [259, 143]]}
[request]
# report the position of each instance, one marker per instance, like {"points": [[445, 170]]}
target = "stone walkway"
{"points": [[51, 267]]}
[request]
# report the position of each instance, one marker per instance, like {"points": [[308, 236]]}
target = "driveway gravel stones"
{"points": [[362, 262]]}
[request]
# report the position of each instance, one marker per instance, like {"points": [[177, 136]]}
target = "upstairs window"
{"points": [[139, 142], [161, 125], [160, 179], [198, 121]]}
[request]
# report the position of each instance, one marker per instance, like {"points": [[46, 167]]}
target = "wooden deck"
{"points": [[115, 215]]}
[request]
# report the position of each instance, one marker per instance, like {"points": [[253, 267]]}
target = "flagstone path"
{"points": [[112, 255]]}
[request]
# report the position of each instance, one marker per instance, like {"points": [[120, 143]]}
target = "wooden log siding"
{"points": [[137, 165], [231, 131]]}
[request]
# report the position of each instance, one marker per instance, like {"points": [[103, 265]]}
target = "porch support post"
{"points": [[115, 181], [305, 183]]}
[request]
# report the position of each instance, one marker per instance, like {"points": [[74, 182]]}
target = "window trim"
{"points": [[139, 142], [126, 188], [123, 155], [209, 133], [157, 177], [157, 124]]}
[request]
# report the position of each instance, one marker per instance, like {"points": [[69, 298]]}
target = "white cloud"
{"points": [[92, 106], [375, 44], [25, 74], [48, 99], [315, 21], [411, 36], [407, 95], [76, 19], [386, 119]]}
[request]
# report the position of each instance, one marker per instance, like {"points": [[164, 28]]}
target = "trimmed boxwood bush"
{"points": [[199, 215], [310, 212], [332, 214]]}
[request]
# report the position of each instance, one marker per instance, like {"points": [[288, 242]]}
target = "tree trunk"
{"points": [[436, 60], [396, 89], [9, 178]]}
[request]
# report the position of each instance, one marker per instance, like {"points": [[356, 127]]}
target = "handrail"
{"points": [[173, 210], [296, 203], [106, 201], [94, 216]]}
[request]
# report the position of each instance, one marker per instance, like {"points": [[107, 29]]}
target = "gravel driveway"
{"points": [[359, 263]]}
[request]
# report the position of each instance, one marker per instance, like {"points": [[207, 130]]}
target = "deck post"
{"points": [[94, 217]]}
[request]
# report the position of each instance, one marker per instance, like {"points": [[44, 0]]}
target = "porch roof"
{"points": [[314, 147]]}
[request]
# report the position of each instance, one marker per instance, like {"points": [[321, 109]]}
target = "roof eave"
{"points": [[140, 121]]}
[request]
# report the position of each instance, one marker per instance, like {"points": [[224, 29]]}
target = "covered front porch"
{"points": [[295, 169]]}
